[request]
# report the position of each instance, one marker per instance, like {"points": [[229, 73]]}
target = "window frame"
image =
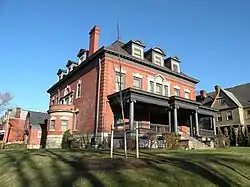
{"points": [[219, 116], [50, 129], [78, 90], [64, 120], [137, 48], [179, 91], [118, 79], [177, 65], [140, 82], [229, 115], [160, 57]]}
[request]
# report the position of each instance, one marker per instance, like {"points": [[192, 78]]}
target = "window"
{"points": [[52, 102], [177, 92], [151, 86], [229, 115], [78, 90], [39, 135], [175, 67], [52, 125], [64, 125], [248, 114], [119, 81], [158, 59], [166, 90], [137, 52], [187, 95], [57, 100], [137, 83], [158, 88], [219, 117]]}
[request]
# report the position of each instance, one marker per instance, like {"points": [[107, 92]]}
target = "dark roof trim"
{"points": [[81, 51], [136, 42], [139, 61], [93, 56], [173, 58], [61, 71], [156, 50], [71, 62]]}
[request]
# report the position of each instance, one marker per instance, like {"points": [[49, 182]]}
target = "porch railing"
{"points": [[206, 133]]}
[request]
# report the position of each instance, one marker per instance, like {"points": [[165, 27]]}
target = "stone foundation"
{"points": [[54, 141]]}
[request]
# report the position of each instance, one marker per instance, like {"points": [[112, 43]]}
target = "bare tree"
{"points": [[4, 100]]}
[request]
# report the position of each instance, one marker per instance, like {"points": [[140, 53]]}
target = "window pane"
{"points": [[187, 95], [229, 115], [52, 124], [119, 77], [151, 86], [137, 52], [175, 67], [78, 90], [137, 82], [64, 125], [176, 92], [166, 90], [159, 88], [157, 59]]}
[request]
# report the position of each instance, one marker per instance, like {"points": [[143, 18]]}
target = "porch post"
{"points": [[214, 124], [169, 120], [191, 124], [131, 115], [197, 123], [175, 121]]}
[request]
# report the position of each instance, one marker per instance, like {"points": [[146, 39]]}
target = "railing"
{"points": [[206, 133]]}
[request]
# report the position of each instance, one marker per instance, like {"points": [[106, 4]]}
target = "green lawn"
{"points": [[158, 168]]}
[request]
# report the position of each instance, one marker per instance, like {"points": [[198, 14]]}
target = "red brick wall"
{"points": [[33, 137], [16, 132], [86, 103], [108, 85]]}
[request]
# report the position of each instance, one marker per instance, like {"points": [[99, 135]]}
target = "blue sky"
{"points": [[211, 38]]}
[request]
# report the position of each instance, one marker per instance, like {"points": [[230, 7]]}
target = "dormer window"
{"points": [[173, 63], [158, 59], [61, 73], [135, 48], [82, 55], [71, 65], [155, 55], [137, 52]]}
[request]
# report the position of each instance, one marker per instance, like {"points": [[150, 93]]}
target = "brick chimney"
{"points": [[18, 112], [203, 93], [94, 39], [217, 89]]}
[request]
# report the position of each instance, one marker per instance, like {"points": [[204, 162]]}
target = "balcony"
{"points": [[61, 108]]}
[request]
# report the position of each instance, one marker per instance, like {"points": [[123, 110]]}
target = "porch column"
{"points": [[197, 124], [214, 125], [169, 120], [175, 121], [191, 124], [131, 115]]}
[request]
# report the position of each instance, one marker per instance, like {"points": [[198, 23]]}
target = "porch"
{"points": [[160, 114]]}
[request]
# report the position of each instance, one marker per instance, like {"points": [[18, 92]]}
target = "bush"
{"points": [[220, 141], [171, 140], [131, 142], [232, 136], [68, 141], [15, 146], [227, 140], [240, 137], [247, 143]]}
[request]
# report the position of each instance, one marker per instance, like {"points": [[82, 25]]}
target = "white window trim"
{"points": [[164, 82], [139, 48], [138, 75], [228, 115], [187, 90], [78, 96], [176, 63], [160, 56], [53, 118], [64, 118], [122, 70], [178, 88]]}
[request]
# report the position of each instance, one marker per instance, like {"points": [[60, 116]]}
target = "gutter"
{"points": [[97, 101]]}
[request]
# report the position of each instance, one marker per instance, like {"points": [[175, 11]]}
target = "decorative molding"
{"points": [[177, 87], [122, 70], [52, 118], [186, 90], [64, 118], [137, 75]]}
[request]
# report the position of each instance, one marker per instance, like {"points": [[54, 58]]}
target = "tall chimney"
{"points": [[18, 112], [93, 39], [203, 93]]}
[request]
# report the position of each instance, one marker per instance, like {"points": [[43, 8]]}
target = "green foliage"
{"points": [[232, 136], [227, 139], [68, 141], [131, 142], [219, 130], [171, 140], [247, 141], [240, 137], [15, 146]]}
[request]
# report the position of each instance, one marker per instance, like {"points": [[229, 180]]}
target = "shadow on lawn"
{"points": [[66, 171]]}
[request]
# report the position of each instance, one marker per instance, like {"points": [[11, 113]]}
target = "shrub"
{"points": [[220, 141], [131, 143], [171, 140], [227, 140], [240, 137], [232, 136], [68, 141], [247, 143]]}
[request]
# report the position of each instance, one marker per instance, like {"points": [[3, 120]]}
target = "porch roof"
{"points": [[160, 100]]}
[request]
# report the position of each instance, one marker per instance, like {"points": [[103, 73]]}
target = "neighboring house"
{"points": [[23, 126], [36, 129], [156, 93], [233, 105]]}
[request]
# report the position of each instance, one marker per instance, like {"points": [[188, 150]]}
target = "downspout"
{"points": [[98, 101]]}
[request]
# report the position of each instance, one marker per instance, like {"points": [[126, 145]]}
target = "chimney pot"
{"points": [[94, 39], [203, 93]]}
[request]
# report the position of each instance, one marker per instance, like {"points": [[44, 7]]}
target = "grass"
{"points": [[161, 168]]}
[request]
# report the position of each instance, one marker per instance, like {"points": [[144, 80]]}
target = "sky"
{"points": [[212, 39]]}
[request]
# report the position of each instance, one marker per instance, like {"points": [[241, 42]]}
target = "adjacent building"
{"points": [[156, 93], [233, 105], [24, 127]]}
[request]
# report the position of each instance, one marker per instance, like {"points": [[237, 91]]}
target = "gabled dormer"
{"points": [[71, 65], [61, 73], [155, 55], [135, 48], [82, 55], [173, 63]]}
